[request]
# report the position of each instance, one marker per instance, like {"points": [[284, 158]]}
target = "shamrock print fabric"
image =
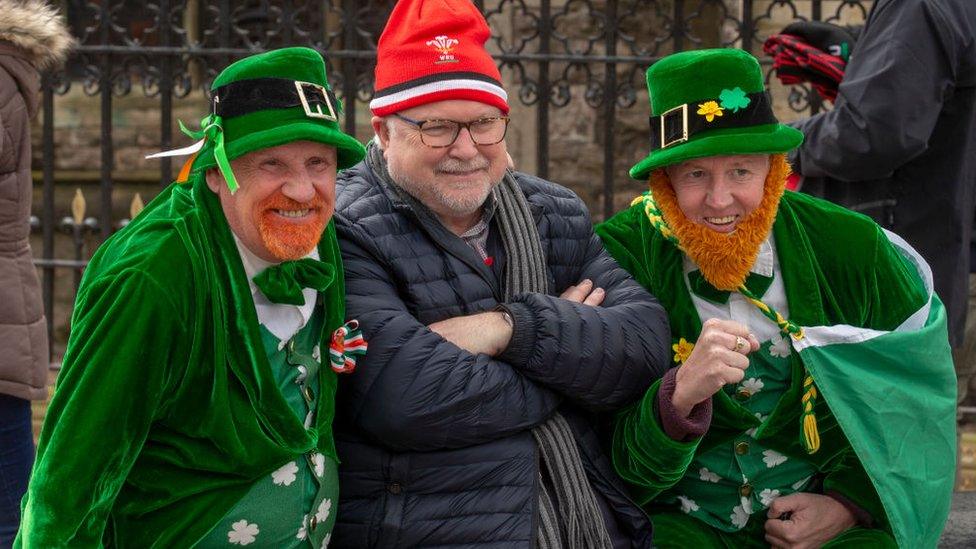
{"points": [[730, 483], [294, 505]]}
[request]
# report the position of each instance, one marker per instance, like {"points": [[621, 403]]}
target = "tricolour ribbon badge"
{"points": [[347, 345]]}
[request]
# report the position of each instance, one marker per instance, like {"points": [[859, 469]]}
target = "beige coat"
{"points": [[32, 37]]}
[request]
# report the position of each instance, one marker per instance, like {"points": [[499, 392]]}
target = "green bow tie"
{"points": [[283, 283], [756, 283]]}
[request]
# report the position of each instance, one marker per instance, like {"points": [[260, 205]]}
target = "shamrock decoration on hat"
{"points": [[707, 103]]}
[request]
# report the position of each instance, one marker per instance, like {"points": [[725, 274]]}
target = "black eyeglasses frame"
{"points": [[460, 125]]}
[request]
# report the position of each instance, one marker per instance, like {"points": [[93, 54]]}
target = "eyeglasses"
{"points": [[438, 134]]}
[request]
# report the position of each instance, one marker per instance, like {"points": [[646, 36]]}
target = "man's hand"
{"points": [[483, 333], [719, 357], [585, 293], [809, 520]]}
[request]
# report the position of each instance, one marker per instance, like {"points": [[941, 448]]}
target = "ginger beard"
{"points": [[724, 259], [290, 238]]}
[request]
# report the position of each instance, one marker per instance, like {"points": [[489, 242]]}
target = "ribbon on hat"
{"points": [[213, 131], [347, 345], [283, 283]]}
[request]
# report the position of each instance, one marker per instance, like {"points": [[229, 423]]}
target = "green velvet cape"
{"points": [[166, 410], [838, 267]]}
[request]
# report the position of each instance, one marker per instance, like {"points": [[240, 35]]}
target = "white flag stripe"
{"points": [[820, 336]]}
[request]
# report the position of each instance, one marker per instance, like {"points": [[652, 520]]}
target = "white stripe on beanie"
{"points": [[434, 87]]}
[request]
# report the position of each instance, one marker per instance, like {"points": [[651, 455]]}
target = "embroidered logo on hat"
{"points": [[445, 46], [431, 51]]}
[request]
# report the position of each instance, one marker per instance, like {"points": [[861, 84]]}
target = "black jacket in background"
{"points": [[900, 143], [435, 442]]}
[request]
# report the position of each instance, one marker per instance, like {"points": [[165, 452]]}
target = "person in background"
{"points": [[899, 144], [33, 38]]}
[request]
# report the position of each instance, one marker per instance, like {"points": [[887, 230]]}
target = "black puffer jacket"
{"points": [[436, 443]]}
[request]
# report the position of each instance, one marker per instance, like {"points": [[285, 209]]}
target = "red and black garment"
{"points": [[811, 51]]}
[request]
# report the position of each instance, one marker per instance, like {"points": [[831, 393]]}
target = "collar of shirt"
{"points": [[477, 237], [282, 320], [741, 310]]}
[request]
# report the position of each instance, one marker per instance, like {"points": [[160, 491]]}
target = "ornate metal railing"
{"points": [[574, 70]]}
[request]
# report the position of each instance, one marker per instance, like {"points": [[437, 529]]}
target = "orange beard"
{"points": [[287, 240], [724, 259]]}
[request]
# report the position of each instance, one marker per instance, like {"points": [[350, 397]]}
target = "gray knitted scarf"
{"points": [[570, 517]]}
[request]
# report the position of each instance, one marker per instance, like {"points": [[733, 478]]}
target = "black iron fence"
{"points": [[574, 70]]}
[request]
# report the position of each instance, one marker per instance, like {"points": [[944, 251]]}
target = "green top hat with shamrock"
{"points": [[709, 103], [263, 101]]}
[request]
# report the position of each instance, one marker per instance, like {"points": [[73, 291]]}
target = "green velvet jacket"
{"points": [[838, 267], [166, 410]]}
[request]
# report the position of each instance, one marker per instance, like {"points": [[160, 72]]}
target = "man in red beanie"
{"points": [[499, 328]]}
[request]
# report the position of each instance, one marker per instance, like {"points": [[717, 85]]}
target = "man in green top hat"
{"points": [[194, 406], [812, 398]]}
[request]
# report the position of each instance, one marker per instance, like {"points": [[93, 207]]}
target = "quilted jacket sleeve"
{"points": [[600, 357], [416, 391]]}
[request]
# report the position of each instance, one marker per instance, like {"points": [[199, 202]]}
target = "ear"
{"points": [[382, 131], [215, 181]]}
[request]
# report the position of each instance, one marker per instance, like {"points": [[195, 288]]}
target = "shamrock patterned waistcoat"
{"points": [[738, 479], [295, 505]]}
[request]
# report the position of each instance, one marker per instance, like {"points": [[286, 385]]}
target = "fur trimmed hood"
{"points": [[38, 29]]}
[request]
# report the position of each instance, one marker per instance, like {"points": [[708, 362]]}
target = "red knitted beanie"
{"points": [[434, 50]]}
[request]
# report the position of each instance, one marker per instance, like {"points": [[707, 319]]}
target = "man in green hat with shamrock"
{"points": [[195, 402], [812, 399]]}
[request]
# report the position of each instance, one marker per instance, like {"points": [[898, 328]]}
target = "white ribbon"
{"points": [[180, 152]]}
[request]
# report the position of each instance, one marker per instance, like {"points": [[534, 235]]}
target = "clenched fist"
{"points": [[720, 356]]}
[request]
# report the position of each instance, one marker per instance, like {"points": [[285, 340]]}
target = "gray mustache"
{"points": [[454, 166]]}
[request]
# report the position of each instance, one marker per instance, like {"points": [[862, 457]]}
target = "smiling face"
{"points": [[452, 181], [718, 192], [286, 198]]}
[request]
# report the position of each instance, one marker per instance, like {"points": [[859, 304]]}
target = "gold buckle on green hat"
{"points": [[317, 113], [665, 121]]}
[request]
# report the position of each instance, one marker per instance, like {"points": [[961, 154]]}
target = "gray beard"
{"points": [[440, 202]]}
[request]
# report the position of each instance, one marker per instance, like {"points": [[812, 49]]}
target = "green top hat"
{"points": [[271, 99], [708, 103]]}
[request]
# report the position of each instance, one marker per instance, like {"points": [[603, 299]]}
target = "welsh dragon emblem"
{"points": [[445, 46]]}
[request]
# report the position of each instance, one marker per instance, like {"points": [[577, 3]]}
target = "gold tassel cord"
{"points": [[811, 435]]}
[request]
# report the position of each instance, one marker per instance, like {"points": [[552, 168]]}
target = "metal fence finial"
{"points": [[136, 206], [78, 206]]}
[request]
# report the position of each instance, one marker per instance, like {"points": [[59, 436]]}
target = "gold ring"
{"points": [[740, 343]]}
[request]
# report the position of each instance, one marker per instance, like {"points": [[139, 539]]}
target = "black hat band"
{"points": [[740, 110], [259, 94]]}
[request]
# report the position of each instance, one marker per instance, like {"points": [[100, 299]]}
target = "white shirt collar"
{"points": [[279, 319]]}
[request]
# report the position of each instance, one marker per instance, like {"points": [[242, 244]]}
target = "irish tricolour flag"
{"points": [[894, 395]]}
